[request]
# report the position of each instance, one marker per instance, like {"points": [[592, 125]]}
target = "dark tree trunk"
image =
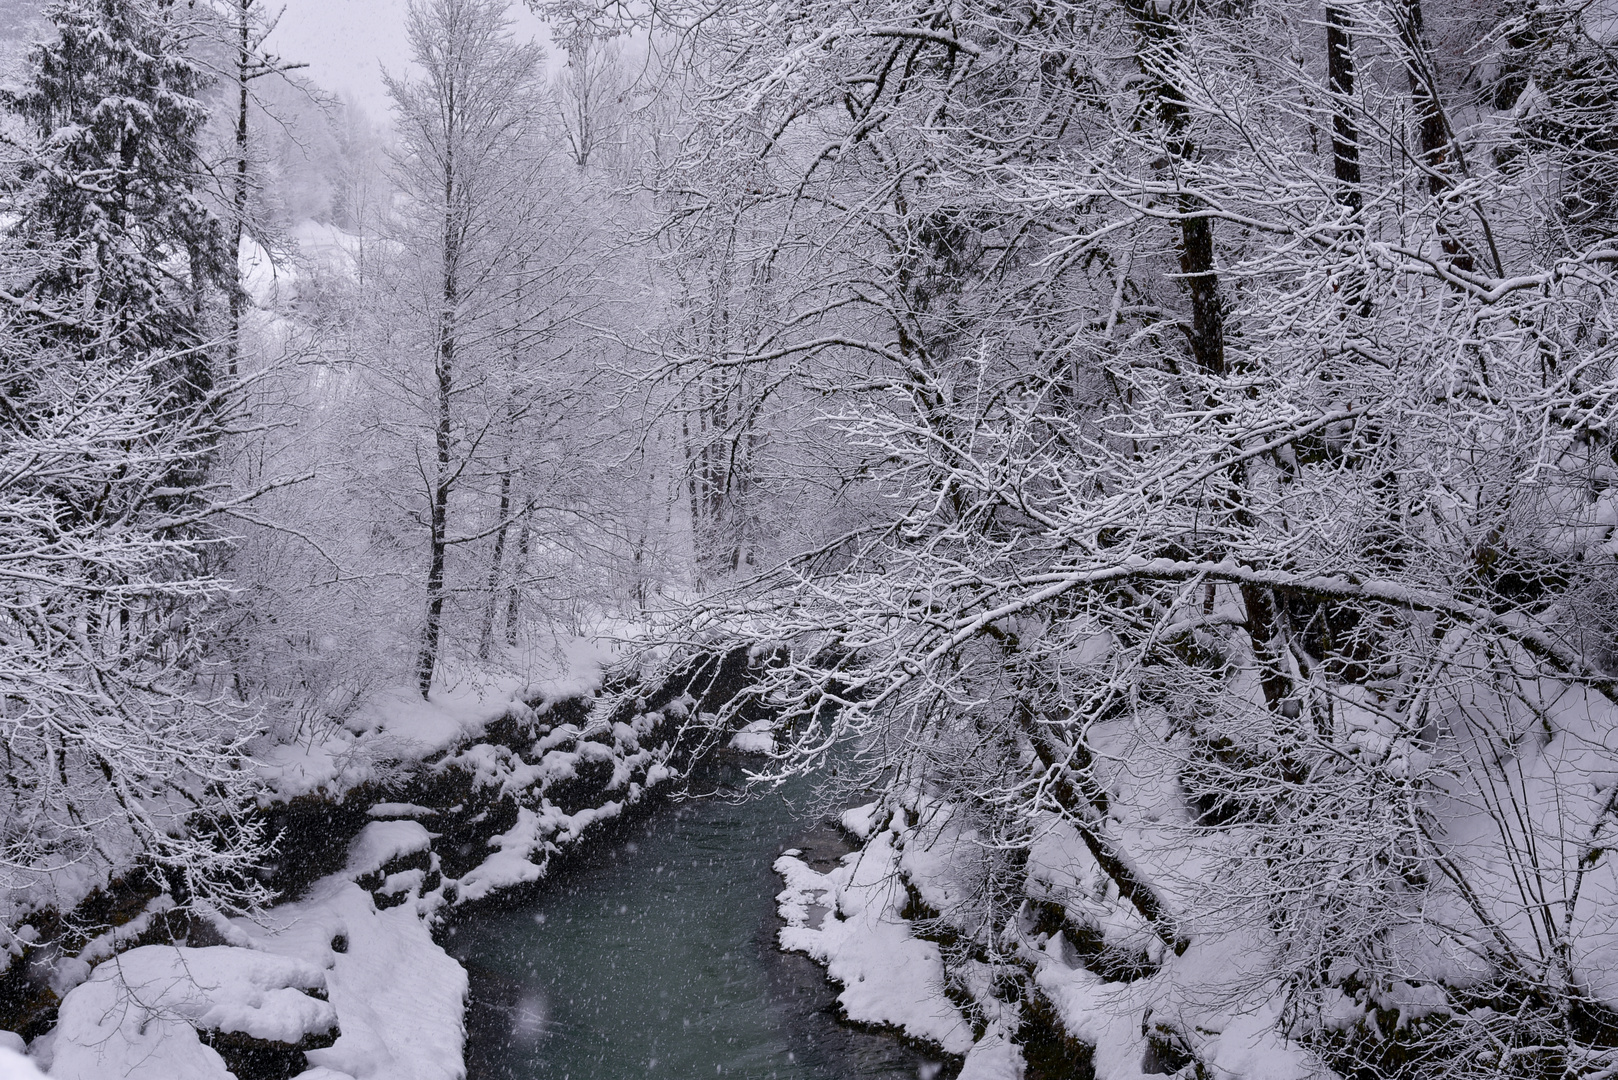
{"points": [[443, 478], [512, 594], [1345, 135], [1158, 34], [486, 637], [1438, 155]]}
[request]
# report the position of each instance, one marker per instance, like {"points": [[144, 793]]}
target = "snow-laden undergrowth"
{"points": [[931, 928], [878, 919]]}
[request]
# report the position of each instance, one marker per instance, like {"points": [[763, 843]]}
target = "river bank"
{"points": [[656, 955], [385, 823], [426, 825]]}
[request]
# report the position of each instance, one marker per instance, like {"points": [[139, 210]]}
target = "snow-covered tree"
{"points": [[590, 93], [463, 131], [1243, 436], [118, 758], [247, 27], [479, 367], [115, 172]]}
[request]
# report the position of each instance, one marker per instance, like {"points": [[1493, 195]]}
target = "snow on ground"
{"points": [[544, 829], [330, 764], [390, 726], [573, 667], [69, 971], [394, 996], [993, 1057], [13, 1065], [848, 919], [1236, 1037], [510, 864], [395, 725], [326, 247], [417, 728], [398, 997], [266, 284], [861, 821], [138, 1015], [61, 888], [1214, 994]]}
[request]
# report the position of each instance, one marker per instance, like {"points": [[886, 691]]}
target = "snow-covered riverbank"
{"points": [[389, 823], [898, 923]]}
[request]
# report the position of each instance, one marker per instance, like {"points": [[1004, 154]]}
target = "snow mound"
{"points": [[420, 727], [138, 1014], [993, 1057], [523, 850], [755, 738], [13, 1066], [399, 998], [889, 977], [380, 842], [400, 810], [577, 668], [512, 863], [861, 820]]}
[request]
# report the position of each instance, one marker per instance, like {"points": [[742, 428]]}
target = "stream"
{"points": [[656, 958]]}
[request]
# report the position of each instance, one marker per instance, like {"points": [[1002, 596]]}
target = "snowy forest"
{"points": [[1090, 525]]}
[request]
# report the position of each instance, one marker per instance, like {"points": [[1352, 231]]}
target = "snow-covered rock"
{"points": [[138, 1015], [398, 997], [756, 738]]}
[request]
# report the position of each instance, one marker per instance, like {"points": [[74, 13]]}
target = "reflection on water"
{"points": [[657, 959]]}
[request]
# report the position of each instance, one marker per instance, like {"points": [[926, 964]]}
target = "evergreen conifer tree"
{"points": [[119, 754], [113, 104]]}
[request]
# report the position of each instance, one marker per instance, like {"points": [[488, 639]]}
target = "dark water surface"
{"points": [[656, 959]]}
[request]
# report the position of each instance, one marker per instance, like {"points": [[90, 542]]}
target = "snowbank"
{"points": [[138, 1015], [394, 728], [398, 997], [858, 919], [848, 919], [14, 1066]]}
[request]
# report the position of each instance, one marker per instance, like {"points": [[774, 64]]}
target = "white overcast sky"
{"points": [[346, 43]]}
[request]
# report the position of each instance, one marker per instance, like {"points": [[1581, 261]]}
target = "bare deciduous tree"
{"points": [[463, 141], [1237, 487]]}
